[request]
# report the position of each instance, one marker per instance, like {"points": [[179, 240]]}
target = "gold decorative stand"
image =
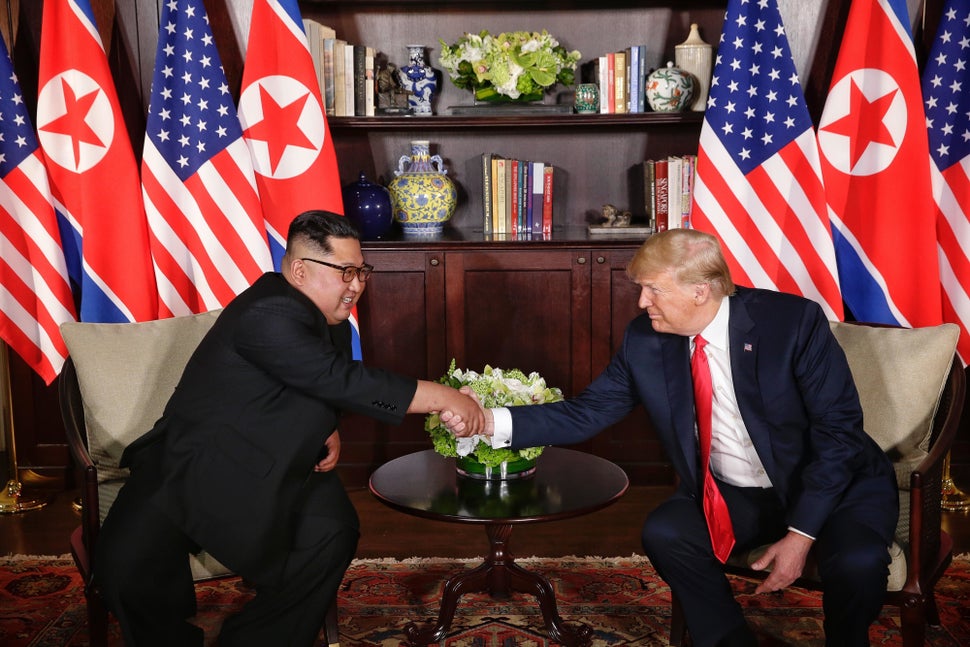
{"points": [[954, 500], [13, 499]]}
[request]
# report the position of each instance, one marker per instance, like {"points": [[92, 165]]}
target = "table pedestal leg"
{"points": [[499, 575]]}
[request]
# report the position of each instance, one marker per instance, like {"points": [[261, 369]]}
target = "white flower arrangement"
{"points": [[495, 387], [517, 65]]}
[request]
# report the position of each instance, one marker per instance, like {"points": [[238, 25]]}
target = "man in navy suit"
{"points": [[240, 463], [789, 454]]}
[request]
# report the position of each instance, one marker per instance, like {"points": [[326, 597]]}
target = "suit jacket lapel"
{"points": [[743, 338]]}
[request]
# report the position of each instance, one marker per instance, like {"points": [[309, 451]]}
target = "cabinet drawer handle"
{"points": [[600, 259], [581, 260], [434, 262]]}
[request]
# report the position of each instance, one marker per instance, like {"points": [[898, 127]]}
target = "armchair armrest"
{"points": [[72, 411], [925, 537]]}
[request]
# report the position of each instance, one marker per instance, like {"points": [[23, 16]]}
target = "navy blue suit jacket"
{"points": [[794, 391]]}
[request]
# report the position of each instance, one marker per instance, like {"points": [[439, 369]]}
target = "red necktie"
{"points": [[715, 509]]}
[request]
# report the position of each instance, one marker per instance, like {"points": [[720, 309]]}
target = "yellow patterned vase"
{"points": [[422, 194]]}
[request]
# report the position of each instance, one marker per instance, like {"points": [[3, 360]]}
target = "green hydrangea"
{"points": [[511, 64], [495, 387]]}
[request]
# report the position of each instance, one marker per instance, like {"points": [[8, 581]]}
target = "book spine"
{"points": [[514, 197], [642, 77], [349, 109], [650, 193], [527, 198], [690, 170], [524, 229], [339, 72], [602, 70], [370, 80], [674, 170], [487, 194], [509, 221], [536, 198], [496, 229], [360, 80], [661, 202], [619, 80], [547, 200], [328, 76], [635, 88], [499, 180], [610, 83]]}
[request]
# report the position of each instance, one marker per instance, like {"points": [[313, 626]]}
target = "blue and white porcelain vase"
{"points": [[419, 79], [422, 194], [368, 205]]}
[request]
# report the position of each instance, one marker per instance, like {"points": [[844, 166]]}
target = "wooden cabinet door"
{"points": [[525, 309], [402, 318]]}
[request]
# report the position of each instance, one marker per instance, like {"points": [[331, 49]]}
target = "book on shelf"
{"points": [[360, 80], [650, 193], [339, 78], [349, 91], [547, 177], [500, 196], [538, 175], [620, 80], [328, 76], [610, 89], [513, 195], [370, 76], [674, 169], [660, 194], [487, 193]]}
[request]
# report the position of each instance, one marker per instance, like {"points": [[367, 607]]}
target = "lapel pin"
{"points": [[747, 348]]}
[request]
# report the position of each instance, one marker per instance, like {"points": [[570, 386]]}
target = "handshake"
{"points": [[465, 416]]}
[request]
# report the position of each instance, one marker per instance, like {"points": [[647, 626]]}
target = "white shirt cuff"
{"points": [[501, 427], [796, 530]]}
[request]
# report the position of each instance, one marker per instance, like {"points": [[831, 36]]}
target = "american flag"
{"points": [[92, 169], [875, 163], [285, 126], [35, 296], [208, 237], [946, 95], [759, 186]]}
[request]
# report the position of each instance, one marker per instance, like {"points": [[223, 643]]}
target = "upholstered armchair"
{"points": [[113, 388], [911, 385]]}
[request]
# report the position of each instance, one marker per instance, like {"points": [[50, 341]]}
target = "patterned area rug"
{"points": [[622, 600]]}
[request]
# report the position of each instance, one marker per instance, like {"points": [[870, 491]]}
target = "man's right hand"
{"points": [[455, 423]]}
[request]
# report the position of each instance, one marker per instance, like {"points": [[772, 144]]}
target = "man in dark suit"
{"points": [[788, 452], [240, 463]]}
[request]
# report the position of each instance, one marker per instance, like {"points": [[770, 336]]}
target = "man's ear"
{"points": [[297, 270], [702, 293]]}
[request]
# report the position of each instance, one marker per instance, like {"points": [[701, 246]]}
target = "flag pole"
{"points": [[953, 498], [12, 498]]}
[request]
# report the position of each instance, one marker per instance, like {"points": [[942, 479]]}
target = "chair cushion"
{"points": [[900, 374], [126, 374]]}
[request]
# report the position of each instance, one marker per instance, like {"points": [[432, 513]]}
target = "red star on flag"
{"points": [[73, 122], [864, 123], [280, 126]]}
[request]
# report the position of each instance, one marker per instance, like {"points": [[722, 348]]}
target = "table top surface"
{"points": [[566, 483]]}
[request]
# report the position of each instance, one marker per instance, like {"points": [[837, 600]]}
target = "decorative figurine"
{"points": [[392, 99], [615, 217]]}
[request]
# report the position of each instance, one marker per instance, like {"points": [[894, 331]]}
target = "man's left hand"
{"points": [[329, 461], [787, 559]]}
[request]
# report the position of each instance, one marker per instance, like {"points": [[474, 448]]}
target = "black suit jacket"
{"points": [[238, 439], [794, 391]]}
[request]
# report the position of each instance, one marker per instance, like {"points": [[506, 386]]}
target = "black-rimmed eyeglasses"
{"points": [[349, 271]]}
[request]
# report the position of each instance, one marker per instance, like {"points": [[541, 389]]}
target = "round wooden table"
{"points": [[566, 484]]}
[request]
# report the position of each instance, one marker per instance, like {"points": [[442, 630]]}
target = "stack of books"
{"points": [[620, 77], [516, 197], [668, 191], [345, 72]]}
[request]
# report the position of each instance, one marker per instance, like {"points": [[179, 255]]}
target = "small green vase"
{"points": [[468, 466]]}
